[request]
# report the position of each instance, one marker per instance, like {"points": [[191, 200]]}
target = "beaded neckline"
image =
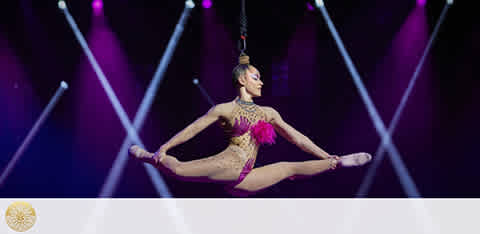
{"points": [[240, 101], [246, 106]]}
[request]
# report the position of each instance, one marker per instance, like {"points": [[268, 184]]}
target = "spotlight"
{"points": [[310, 7], [189, 4], [62, 5], [319, 3], [97, 6], [450, 2], [64, 85], [421, 2], [204, 93], [207, 3], [31, 134]]}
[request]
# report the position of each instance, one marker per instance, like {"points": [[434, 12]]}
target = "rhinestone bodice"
{"points": [[242, 114]]}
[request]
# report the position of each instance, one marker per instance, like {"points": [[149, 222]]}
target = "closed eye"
{"points": [[255, 76]]}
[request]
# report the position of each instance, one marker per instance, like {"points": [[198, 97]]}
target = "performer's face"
{"points": [[253, 82]]}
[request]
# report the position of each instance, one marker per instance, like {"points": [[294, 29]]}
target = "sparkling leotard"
{"points": [[248, 119]]}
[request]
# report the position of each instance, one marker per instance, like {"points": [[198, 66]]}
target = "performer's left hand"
{"points": [[158, 156]]}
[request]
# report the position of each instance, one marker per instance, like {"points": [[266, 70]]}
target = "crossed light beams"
{"points": [[401, 171], [103, 80], [405, 179], [53, 101], [157, 180], [122, 157], [119, 164], [379, 155]]}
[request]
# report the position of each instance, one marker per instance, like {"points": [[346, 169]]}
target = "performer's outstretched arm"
{"points": [[294, 136], [194, 128]]}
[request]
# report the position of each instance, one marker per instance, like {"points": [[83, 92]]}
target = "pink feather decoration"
{"points": [[263, 133], [240, 128]]}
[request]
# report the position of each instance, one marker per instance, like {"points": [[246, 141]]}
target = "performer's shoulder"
{"points": [[269, 111], [224, 108]]}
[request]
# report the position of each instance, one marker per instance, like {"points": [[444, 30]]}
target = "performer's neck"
{"points": [[244, 96]]}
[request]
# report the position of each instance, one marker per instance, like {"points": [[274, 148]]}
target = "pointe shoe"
{"points": [[356, 159], [141, 154]]}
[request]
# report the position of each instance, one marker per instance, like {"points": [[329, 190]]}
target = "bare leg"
{"points": [[266, 176], [211, 168], [214, 169]]}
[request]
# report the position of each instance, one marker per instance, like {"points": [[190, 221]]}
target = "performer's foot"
{"points": [[141, 154], [356, 159]]}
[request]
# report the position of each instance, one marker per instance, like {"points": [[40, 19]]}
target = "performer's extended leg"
{"points": [[205, 169], [266, 176]]}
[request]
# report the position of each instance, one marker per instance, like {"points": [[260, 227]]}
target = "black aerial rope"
{"points": [[242, 43]]}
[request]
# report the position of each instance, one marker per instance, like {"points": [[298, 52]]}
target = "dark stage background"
{"points": [[305, 79]]}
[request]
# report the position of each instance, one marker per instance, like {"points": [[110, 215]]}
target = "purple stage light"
{"points": [[421, 2], [310, 7], [97, 6], [207, 3]]}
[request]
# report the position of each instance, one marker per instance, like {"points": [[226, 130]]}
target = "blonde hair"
{"points": [[241, 68]]}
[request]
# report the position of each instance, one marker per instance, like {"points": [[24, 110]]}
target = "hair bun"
{"points": [[244, 59]]}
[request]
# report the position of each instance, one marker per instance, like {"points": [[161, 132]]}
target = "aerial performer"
{"points": [[248, 126]]}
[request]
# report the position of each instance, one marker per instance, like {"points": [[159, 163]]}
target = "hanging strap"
{"points": [[242, 43]]}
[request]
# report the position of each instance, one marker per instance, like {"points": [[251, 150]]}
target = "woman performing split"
{"points": [[248, 125]]}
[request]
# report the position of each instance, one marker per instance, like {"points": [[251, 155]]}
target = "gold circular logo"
{"points": [[20, 216]]}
